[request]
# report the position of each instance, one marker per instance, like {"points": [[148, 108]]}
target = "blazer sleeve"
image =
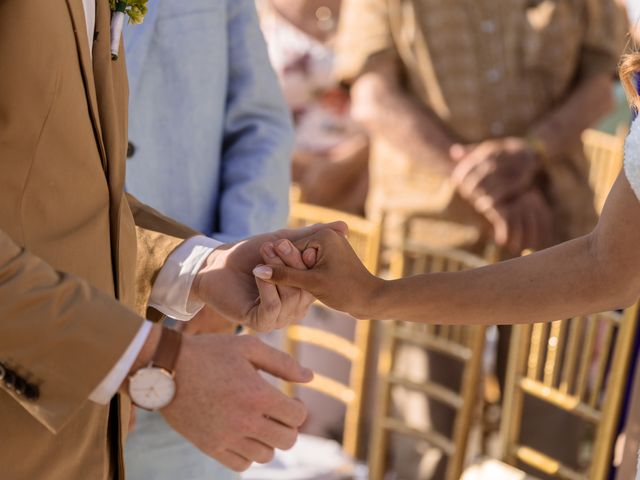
{"points": [[49, 320], [157, 237], [258, 134]]}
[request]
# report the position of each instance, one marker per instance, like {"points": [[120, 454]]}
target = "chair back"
{"points": [[578, 365], [605, 154], [364, 237], [463, 344]]}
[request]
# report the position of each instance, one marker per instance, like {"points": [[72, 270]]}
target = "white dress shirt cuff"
{"points": [[111, 383], [170, 293]]}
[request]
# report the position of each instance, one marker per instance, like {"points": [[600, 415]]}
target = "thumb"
{"points": [[283, 275], [278, 364], [309, 257]]}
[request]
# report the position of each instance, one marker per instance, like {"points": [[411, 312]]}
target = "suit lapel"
{"points": [[80, 30], [137, 41], [113, 97]]}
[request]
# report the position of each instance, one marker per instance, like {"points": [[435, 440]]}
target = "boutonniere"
{"points": [[134, 9]]}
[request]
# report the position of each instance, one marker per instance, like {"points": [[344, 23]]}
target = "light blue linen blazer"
{"points": [[210, 134]]}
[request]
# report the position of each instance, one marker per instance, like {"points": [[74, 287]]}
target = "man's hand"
{"points": [[223, 405], [225, 283], [524, 222], [494, 171], [338, 279], [207, 320]]}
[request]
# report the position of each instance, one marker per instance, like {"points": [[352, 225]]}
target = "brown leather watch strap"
{"points": [[168, 350]]}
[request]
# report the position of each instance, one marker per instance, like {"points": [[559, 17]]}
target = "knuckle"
{"points": [[259, 398], [326, 234], [271, 306]]}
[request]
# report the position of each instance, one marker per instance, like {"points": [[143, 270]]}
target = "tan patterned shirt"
{"points": [[487, 69]]}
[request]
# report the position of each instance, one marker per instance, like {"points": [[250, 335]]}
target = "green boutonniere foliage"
{"points": [[135, 9]]}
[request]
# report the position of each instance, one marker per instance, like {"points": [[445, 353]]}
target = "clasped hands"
{"points": [[497, 177]]}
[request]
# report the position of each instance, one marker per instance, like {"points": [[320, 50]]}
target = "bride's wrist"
{"points": [[375, 304]]}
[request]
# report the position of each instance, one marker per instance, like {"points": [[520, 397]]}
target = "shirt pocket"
{"points": [[552, 39]]}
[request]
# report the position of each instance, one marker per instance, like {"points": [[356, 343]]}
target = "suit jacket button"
{"points": [[20, 385], [9, 379], [32, 392], [131, 150]]}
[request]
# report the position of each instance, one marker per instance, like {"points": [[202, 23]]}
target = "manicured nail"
{"points": [[309, 256], [263, 272], [307, 374], [284, 247], [268, 249]]}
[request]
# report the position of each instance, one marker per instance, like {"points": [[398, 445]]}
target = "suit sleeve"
{"points": [[71, 321], [157, 237], [258, 134]]}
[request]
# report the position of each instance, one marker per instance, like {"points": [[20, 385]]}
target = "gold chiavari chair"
{"points": [[364, 236], [464, 344], [605, 153], [578, 365]]}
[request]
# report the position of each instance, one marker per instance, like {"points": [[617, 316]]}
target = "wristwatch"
{"points": [[153, 387]]}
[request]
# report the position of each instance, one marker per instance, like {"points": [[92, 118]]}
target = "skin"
{"points": [[230, 412], [335, 178], [495, 176], [596, 272]]}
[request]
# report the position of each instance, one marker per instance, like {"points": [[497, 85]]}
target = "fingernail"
{"points": [[263, 272], [268, 249], [309, 256], [284, 247], [307, 374]]}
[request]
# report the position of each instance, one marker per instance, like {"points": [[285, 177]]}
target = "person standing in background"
{"points": [[330, 161], [207, 114], [475, 110]]}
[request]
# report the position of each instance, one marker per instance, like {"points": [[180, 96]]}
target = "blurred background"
{"points": [[449, 134]]}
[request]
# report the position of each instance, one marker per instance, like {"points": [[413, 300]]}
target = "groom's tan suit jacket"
{"points": [[69, 243]]}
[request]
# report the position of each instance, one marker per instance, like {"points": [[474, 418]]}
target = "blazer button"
{"points": [[9, 379], [31, 392], [131, 150], [20, 385]]}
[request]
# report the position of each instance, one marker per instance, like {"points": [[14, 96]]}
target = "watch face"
{"points": [[152, 388]]}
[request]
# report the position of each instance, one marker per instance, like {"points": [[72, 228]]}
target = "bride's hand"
{"points": [[338, 279]]}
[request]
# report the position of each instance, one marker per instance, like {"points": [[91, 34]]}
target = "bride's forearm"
{"points": [[561, 282]]}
